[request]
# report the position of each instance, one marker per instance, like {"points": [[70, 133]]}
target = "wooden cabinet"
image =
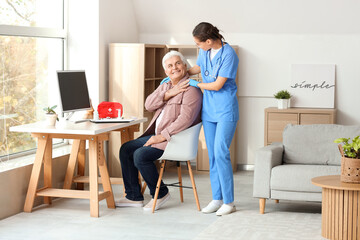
{"points": [[135, 71], [277, 119]]}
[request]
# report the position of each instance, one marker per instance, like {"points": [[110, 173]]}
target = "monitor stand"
{"points": [[76, 120]]}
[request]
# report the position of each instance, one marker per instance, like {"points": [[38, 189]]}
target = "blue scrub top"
{"points": [[220, 105]]}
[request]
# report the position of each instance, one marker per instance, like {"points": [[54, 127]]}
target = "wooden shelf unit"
{"points": [[190, 52], [135, 71], [276, 120]]}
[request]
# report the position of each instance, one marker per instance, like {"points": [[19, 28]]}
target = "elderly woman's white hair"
{"points": [[172, 54]]}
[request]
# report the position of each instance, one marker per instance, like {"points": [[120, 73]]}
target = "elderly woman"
{"points": [[177, 106]]}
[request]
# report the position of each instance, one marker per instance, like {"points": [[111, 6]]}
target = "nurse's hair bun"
{"points": [[204, 31]]}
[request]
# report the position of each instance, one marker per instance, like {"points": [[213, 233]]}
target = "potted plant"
{"points": [[283, 98], [51, 116], [350, 159]]}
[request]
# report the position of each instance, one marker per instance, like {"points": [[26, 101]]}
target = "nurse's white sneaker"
{"points": [[226, 209], [213, 206]]}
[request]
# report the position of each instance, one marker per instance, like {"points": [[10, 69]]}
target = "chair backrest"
{"points": [[183, 146]]}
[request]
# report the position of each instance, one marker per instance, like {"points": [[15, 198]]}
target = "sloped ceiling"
{"points": [[249, 16]]}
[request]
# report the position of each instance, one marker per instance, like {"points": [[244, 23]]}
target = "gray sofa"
{"points": [[283, 171]]}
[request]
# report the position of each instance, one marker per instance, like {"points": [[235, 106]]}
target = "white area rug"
{"points": [[249, 224]]}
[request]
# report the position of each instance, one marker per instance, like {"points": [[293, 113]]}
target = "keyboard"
{"points": [[112, 120]]}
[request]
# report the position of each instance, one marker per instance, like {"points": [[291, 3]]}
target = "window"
{"points": [[32, 41]]}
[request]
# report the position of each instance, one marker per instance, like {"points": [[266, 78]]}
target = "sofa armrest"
{"points": [[265, 159]]}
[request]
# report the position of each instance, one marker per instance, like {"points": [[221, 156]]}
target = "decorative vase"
{"points": [[283, 103], [51, 119]]}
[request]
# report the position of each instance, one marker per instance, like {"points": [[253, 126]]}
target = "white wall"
{"points": [[14, 185], [83, 42], [117, 24], [92, 25], [271, 35]]}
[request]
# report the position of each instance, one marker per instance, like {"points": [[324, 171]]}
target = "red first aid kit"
{"points": [[109, 109]]}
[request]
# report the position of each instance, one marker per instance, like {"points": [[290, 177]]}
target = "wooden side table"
{"points": [[340, 208]]}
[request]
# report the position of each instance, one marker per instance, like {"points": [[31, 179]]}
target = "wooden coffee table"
{"points": [[340, 208]]}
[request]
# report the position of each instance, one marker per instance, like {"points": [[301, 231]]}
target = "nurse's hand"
{"points": [[165, 80], [175, 90], [193, 83], [155, 139]]}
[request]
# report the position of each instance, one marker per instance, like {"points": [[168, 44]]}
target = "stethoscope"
{"points": [[217, 66]]}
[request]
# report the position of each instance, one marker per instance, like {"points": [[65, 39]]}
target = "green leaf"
{"points": [[347, 147], [356, 147], [283, 94], [341, 140]]}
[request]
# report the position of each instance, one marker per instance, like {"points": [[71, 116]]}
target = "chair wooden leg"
{"points": [[143, 185], [180, 182], [262, 205], [143, 188], [162, 167], [139, 178], [193, 185], [276, 200]]}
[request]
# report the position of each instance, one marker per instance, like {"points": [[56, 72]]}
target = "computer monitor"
{"points": [[74, 92]]}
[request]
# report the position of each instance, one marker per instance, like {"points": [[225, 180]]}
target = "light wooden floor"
{"points": [[70, 218]]}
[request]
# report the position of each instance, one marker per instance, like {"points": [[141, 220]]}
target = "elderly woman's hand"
{"points": [[175, 90]]}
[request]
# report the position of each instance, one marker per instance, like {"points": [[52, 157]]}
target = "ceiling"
{"points": [[248, 16]]}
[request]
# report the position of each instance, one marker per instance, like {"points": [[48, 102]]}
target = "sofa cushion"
{"points": [[297, 177], [314, 144]]}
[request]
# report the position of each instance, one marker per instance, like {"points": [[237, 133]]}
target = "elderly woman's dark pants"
{"points": [[135, 157]]}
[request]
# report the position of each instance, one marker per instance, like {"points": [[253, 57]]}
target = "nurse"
{"points": [[218, 63]]}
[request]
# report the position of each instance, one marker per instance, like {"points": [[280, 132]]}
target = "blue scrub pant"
{"points": [[218, 136]]}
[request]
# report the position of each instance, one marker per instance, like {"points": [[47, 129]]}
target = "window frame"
{"points": [[39, 32]]}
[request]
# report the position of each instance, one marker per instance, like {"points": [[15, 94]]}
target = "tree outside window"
{"points": [[28, 67]]}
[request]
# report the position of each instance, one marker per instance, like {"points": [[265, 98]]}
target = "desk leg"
{"points": [[127, 134], [48, 169], [71, 164], [93, 177], [105, 178], [81, 163], [35, 173]]}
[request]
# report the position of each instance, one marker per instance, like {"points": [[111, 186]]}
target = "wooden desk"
{"points": [[340, 208], [96, 134]]}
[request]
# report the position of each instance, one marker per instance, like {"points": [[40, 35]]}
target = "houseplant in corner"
{"points": [[283, 98], [350, 159], [51, 115]]}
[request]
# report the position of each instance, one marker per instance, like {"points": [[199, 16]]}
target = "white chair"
{"points": [[182, 147]]}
